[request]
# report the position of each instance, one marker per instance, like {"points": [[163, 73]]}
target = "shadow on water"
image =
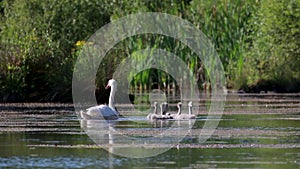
{"points": [[256, 131]]}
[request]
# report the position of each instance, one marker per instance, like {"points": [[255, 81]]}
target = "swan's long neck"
{"points": [[155, 108], [179, 110], [111, 101], [161, 109], [190, 110]]}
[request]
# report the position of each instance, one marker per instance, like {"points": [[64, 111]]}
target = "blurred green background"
{"points": [[258, 43]]}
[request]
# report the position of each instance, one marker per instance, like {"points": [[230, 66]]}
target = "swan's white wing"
{"points": [[93, 111], [149, 115], [85, 116], [185, 117], [102, 111], [107, 111]]}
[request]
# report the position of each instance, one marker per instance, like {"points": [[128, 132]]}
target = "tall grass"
{"points": [[38, 43]]}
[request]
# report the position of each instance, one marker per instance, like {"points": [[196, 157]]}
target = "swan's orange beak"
{"points": [[107, 86]]}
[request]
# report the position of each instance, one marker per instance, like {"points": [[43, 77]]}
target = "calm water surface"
{"points": [[256, 131]]}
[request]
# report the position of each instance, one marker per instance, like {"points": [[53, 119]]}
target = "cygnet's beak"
{"points": [[107, 86]]}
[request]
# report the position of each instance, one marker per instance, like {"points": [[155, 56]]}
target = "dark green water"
{"points": [[260, 131]]}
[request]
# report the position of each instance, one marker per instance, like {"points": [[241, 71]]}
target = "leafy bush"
{"points": [[38, 39], [273, 54]]}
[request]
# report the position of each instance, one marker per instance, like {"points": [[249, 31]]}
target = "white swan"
{"points": [[180, 116], [163, 110], [179, 104], [103, 111], [153, 115]]}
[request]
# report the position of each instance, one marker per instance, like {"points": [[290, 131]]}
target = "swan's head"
{"points": [[190, 104], [164, 105], [155, 104], [111, 83], [179, 104]]}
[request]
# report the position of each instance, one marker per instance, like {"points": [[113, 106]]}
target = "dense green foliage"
{"points": [[258, 41], [38, 45], [273, 54]]}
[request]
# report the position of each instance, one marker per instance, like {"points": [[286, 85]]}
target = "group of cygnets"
{"points": [[109, 112], [164, 115]]}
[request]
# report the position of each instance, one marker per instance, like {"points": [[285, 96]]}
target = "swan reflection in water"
{"points": [[131, 141], [100, 131]]}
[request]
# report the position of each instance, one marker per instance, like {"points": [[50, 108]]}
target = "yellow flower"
{"points": [[80, 43]]}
